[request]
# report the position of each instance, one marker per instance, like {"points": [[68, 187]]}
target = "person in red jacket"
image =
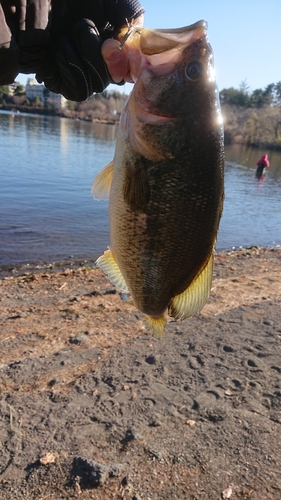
{"points": [[68, 44], [262, 164]]}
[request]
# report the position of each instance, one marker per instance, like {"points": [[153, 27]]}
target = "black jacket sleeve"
{"points": [[60, 41], [75, 67]]}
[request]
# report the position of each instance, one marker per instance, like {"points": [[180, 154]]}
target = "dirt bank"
{"points": [[92, 407]]}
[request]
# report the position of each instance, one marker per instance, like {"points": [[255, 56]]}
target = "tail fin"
{"points": [[156, 326]]}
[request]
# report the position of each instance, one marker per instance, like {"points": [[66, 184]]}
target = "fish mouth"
{"points": [[157, 49], [147, 117], [144, 111]]}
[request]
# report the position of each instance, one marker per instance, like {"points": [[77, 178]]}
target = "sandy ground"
{"points": [[92, 407]]}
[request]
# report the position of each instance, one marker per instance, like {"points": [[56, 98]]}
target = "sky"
{"points": [[245, 36]]}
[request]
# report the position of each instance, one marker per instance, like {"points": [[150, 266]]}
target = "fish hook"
{"points": [[131, 30]]}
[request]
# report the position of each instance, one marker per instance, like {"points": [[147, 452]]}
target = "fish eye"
{"points": [[194, 71]]}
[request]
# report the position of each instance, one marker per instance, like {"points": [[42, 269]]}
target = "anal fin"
{"points": [[192, 300]]}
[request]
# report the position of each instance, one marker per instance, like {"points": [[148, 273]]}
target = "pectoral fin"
{"points": [[102, 183], [136, 190], [110, 267], [192, 300]]}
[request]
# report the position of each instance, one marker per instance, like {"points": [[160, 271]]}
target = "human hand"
{"points": [[117, 60], [79, 63]]}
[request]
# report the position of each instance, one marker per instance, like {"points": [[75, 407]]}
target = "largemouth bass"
{"points": [[165, 184]]}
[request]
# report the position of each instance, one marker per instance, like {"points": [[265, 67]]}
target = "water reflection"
{"points": [[91, 130], [46, 209], [247, 156], [64, 136], [36, 125], [47, 169], [105, 132], [252, 206]]}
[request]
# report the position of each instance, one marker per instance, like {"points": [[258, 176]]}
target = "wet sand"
{"points": [[92, 407]]}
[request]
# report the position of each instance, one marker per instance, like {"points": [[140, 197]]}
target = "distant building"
{"points": [[33, 90]]}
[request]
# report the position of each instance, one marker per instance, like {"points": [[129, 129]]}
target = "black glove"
{"points": [[24, 36], [74, 66], [34, 34], [9, 52]]}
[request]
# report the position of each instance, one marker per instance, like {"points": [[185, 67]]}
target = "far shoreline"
{"points": [[74, 115], [71, 115]]}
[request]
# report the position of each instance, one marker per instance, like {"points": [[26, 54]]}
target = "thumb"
{"points": [[116, 60]]}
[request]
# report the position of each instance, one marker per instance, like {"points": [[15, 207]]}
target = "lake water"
{"points": [[46, 210]]}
